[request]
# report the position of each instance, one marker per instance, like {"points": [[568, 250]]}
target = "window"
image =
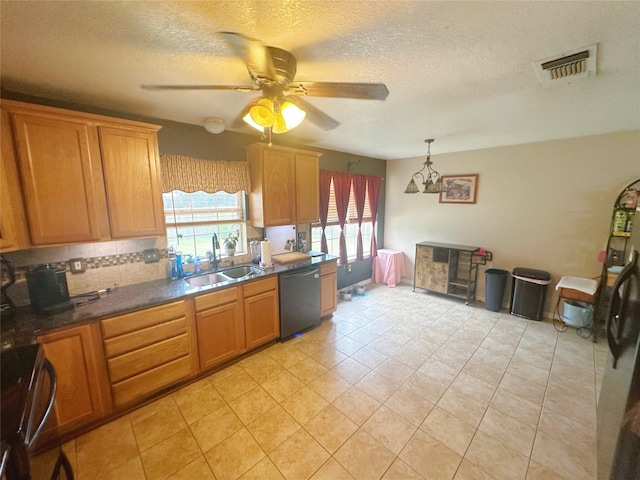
{"points": [[332, 232], [193, 218]]}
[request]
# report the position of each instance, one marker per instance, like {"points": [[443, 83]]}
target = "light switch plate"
{"points": [[78, 265], [151, 255]]}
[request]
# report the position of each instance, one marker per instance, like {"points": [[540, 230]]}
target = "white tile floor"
{"points": [[397, 385]]}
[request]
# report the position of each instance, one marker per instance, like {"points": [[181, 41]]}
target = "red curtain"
{"points": [[373, 184], [342, 187], [359, 193], [325, 186]]}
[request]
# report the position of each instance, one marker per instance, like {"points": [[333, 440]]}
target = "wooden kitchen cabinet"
{"points": [[220, 326], [149, 350], [13, 222], [85, 177], [261, 311], [83, 388], [130, 162], [284, 185], [328, 288]]}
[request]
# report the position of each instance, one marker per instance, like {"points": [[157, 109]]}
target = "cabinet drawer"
{"points": [[326, 268], [150, 381], [130, 322], [146, 336], [215, 299], [141, 360], [424, 253], [260, 286]]}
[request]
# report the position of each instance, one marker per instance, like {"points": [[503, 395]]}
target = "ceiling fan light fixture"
{"points": [[293, 115], [262, 112]]}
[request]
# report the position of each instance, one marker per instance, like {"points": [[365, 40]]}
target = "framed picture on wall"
{"points": [[460, 188]]}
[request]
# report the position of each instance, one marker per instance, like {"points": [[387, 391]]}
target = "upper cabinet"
{"points": [[85, 177], [132, 178], [284, 185], [13, 222]]}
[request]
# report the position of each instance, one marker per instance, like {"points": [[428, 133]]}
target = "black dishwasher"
{"points": [[299, 300]]}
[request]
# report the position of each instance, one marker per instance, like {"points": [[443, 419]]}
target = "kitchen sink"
{"points": [[233, 273], [208, 279], [240, 271]]}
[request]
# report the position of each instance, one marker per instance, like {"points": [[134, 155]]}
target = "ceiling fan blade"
{"points": [[367, 91], [314, 115], [255, 54], [238, 88]]}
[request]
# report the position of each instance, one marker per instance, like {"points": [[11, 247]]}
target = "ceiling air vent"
{"points": [[567, 68]]}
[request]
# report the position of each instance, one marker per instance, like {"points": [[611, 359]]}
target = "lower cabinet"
{"points": [[261, 312], [328, 288], [149, 350], [83, 389], [220, 326]]}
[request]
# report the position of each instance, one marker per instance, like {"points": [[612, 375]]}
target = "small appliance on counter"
{"points": [[48, 290]]}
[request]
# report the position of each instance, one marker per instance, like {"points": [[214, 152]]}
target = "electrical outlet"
{"points": [[151, 255], [77, 265]]}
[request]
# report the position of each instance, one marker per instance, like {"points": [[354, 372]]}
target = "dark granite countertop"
{"points": [[26, 325]]}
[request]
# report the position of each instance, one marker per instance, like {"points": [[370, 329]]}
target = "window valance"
{"points": [[189, 174]]}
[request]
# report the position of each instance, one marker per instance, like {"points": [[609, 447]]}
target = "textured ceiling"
{"points": [[459, 72]]}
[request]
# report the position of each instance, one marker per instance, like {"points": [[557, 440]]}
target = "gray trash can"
{"points": [[495, 283], [529, 289]]}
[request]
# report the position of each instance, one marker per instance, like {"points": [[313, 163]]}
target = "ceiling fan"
{"points": [[281, 106]]}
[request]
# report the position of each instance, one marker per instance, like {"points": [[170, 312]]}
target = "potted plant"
{"points": [[230, 244]]}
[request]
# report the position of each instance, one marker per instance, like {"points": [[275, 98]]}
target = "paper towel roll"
{"points": [[265, 254]]}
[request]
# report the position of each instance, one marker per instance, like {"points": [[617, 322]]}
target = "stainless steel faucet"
{"points": [[216, 246]]}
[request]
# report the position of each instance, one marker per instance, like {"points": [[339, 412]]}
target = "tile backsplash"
{"points": [[107, 264]]}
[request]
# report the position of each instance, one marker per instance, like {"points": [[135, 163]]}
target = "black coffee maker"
{"points": [[7, 308], [48, 290]]}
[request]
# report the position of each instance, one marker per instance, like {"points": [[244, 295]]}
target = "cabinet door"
{"points": [[13, 222], [83, 389], [221, 334], [132, 179], [424, 258], [328, 288], [62, 179], [307, 188], [262, 322], [278, 188]]}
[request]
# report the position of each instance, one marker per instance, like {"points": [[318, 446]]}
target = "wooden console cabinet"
{"points": [[447, 268]]}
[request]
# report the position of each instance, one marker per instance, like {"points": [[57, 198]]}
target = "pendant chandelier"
{"points": [[431, 179]]}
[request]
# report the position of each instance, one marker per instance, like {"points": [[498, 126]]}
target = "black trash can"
{"points": [[529, 288], [495, 283]]}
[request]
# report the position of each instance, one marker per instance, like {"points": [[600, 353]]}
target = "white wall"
{"points": [[543, 205]]}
